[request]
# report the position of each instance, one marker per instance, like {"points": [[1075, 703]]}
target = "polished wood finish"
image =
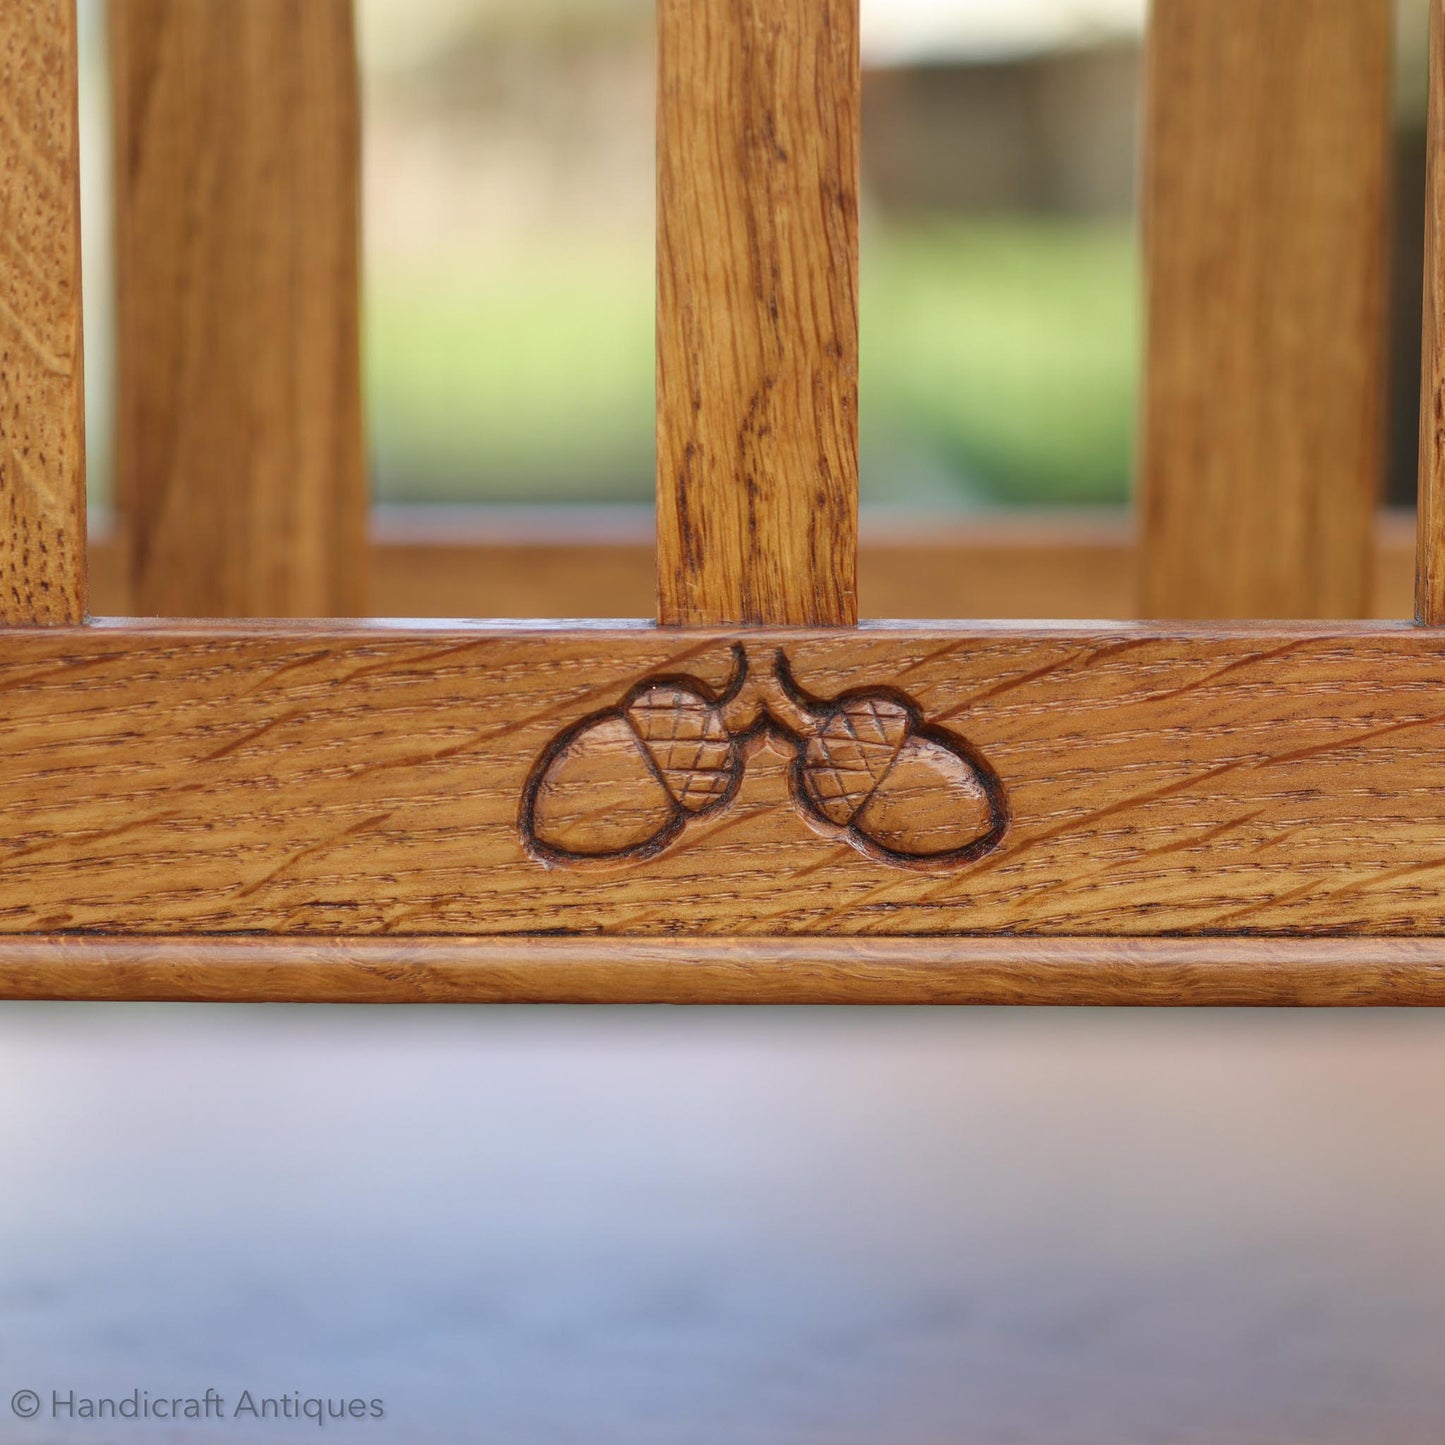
{"points": [[1265, 195], [1430, 565], [1024, 568], [757, 323], [42, 388], [758, 800], [1166, 972], [343, 780], [239, 461]]}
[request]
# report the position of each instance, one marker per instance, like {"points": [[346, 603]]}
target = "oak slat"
{"points": [[326, 779], [1165, 972], [240, 463], [1430, 562], [757, 327], [42, 383], [1265, 190]]}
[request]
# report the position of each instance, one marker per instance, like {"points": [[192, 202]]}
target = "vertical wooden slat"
{"points": [[1430, 559], [757, 328], [42, 385], [1265, 190], [240, 459]]}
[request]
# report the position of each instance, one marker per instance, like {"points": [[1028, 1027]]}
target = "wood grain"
{"points": [[336, 780], [757, 325], [42, 384], [239, 458], [1155, 973], [1430, 564], [1265, 195]]}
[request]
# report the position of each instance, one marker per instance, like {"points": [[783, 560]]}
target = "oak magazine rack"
{"points": [[756, 798]]}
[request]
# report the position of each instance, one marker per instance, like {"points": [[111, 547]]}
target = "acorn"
{"points": [[903, 791], [598, 796], [933, 803], [623, 783]]}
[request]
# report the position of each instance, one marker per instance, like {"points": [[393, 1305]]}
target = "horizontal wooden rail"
{"points": [[1150, 972], [486, 562], [1087, 780]]}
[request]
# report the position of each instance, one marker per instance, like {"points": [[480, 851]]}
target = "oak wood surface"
{"points": [[42, 389], [239, 448], [1166, 972], [475, 563], [757, 325], [335, 780], [1430, 565], [1265, 199]]}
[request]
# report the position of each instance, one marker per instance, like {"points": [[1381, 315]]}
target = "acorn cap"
{"points": [[851, 754], [688, 742]]}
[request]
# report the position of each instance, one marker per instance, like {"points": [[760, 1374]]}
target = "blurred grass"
{"points": [[1007, 353], [999, 367], [524, 381]]}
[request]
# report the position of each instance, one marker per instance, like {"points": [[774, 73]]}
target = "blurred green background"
{"points": [[999, 364], [510, 221], [509, 216]]}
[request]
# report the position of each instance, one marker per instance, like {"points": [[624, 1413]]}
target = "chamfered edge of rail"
{"points": [[1137, 972]]}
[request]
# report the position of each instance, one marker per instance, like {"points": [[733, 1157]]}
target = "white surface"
{"points": [[656, 1228], [902, 31], [396, 34]]}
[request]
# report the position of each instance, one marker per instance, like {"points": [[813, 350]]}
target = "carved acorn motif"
{"points": [[867, 763], [622, 783]]}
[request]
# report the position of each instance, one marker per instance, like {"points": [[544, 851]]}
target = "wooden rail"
{"points": [[1153, 973], [1060, 780], [1026, 567]]}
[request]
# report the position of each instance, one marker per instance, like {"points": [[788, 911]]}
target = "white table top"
{"points": [[630, 1227]]}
